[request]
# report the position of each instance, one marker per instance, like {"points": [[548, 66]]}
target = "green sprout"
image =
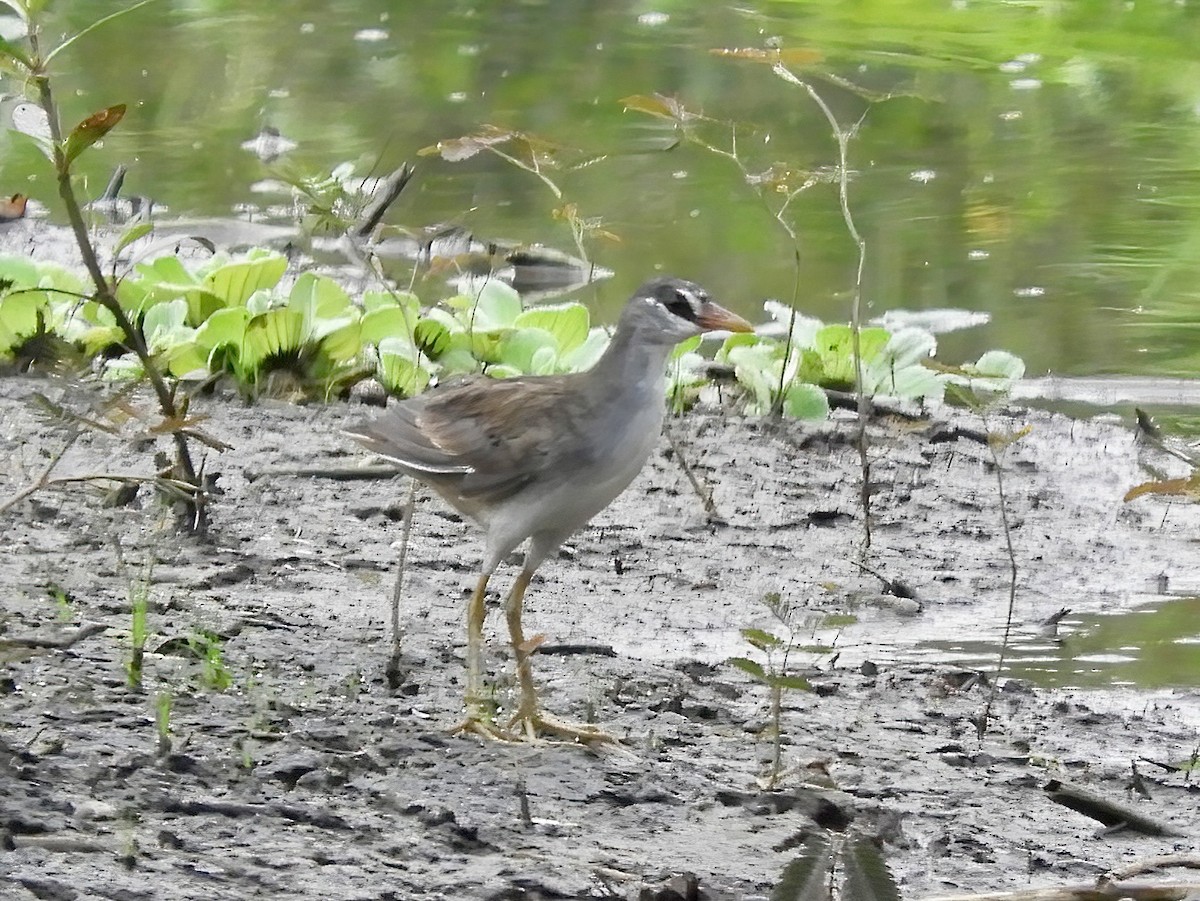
{"points": [[163, 702], [775, 673], [139, 597]]}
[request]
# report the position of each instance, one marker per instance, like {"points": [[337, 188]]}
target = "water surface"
{"points": [[1035, 161]]}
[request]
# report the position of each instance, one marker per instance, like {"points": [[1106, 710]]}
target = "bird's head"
{"points": [[669, 310]]}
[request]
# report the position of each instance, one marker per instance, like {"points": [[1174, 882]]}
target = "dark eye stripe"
{"points": [[681, 305]]}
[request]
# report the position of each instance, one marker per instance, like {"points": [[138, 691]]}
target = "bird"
{"points": [[533, 458]]}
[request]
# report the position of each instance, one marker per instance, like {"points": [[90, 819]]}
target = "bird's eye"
{"points": [[681, 305]]}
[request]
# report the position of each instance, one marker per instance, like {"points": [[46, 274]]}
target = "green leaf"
{"points": [[374, 300], [187, 359], [343, 344], [459, 361], [900, 371], [998, 364], [235, 283], [789, 683], [686, 347], [165, 325], [274, 334], [432, 337], [518, 348], [135, 231], [757, 367], [10, 51], [91, 130], [401, 375], [22, 272], [387, 322], [838, 620], [223, 328], [586, 354], [318, 297], [262, 300], [568, 323], [486, 346], [761, 639], [804, 401], [806, 878], [503, 371], [834, 346], [544, 361], [746, 665], [21, 316], [327, 310], [736, 339], [494, 306], [866, 872]]}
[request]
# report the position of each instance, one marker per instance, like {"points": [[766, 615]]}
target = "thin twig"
{"points": [[44, 479], [185, 488], [393, 665], [705, 494], [1087, 891], [994, 451], [864, 402]]}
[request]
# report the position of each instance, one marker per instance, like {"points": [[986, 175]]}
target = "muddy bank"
{"points": [[309, 778]]}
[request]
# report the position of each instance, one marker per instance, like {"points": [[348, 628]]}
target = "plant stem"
{"points": [[1012, 577], [197, 512], [777, 744], [864, 402]]}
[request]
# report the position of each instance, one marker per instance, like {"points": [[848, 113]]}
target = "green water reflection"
{"points": [[1036, 160], [1152, 646]]}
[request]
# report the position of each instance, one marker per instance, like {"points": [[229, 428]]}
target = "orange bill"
{"points": [[714, 317]]}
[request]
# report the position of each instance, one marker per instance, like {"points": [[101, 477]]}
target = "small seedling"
{"points": [[62, 601], [206, 646], [139, 596], [774, 673], [163, 702]]}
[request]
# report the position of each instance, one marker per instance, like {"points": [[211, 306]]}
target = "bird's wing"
{"points": [[496, 435]]}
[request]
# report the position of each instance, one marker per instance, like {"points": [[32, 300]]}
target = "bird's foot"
{"points": [[481, 725], [535, 726]]}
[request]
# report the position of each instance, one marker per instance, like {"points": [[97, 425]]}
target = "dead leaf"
{"points": [[455, 150], [1187, 488], [659, 105], [91, 130], [1001, 440]]}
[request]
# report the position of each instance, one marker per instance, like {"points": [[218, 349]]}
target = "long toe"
{"points": [[539, 727], [484, 728]]}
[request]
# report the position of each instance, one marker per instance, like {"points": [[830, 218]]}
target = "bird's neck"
{"points": [[630, 361]]}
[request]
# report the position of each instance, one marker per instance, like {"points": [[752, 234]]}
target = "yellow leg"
{"points": [[478, 720], [529, 722]]}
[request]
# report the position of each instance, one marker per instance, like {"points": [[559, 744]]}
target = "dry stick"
{"points": [[1102, 891], [1110, 813], [393, 666], [186, 489], [104, 292], [335, 473], [87, 630], [1138, 868], [864, 403]]}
